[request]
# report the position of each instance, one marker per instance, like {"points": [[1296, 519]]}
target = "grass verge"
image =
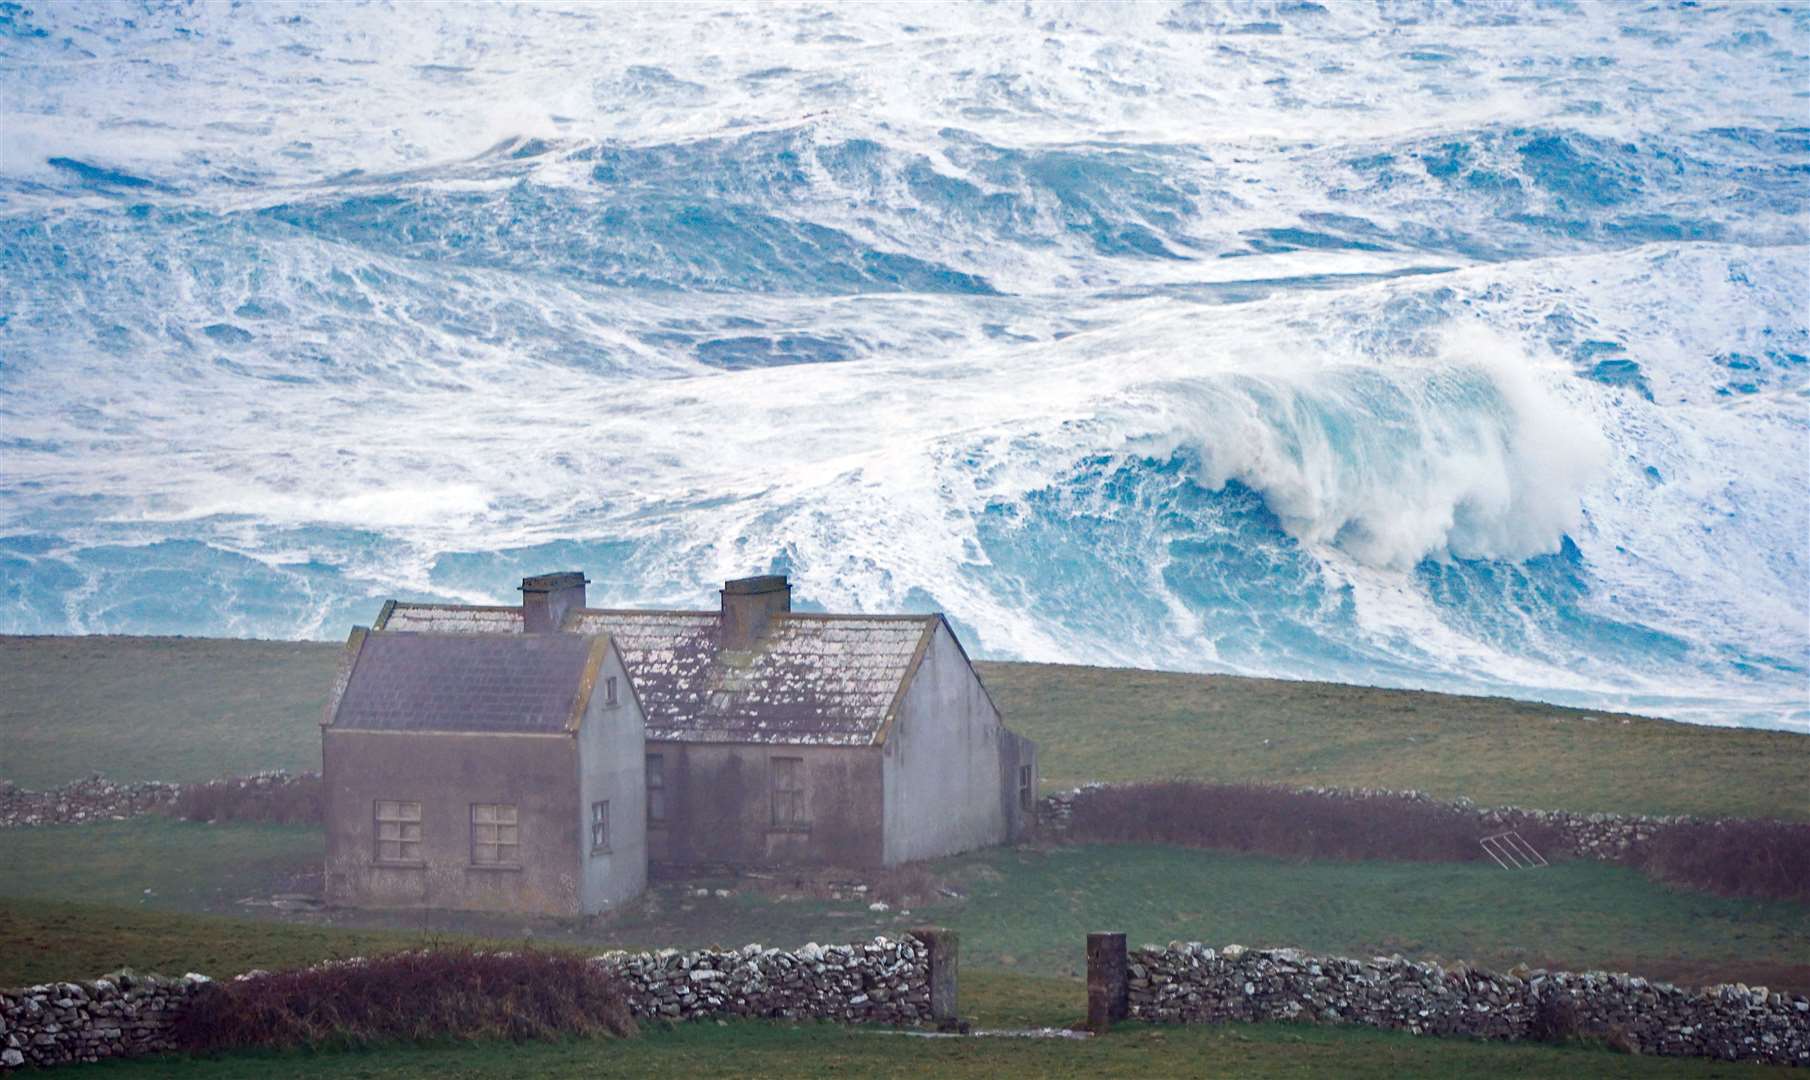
{"points": [[1278, 1051]]}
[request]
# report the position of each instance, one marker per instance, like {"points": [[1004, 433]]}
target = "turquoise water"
{"points": [[1446, 346]]}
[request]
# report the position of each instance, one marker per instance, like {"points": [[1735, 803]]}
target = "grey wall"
{"points": [[719, 806], [950, 763], [446, 773], [611, 749]]}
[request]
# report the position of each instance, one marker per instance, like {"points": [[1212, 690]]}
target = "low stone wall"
{"points": [[99, 799], [123, 1015], [883, 981], [909, 980], [1191, 983], [93, 799], [1606, 837]]}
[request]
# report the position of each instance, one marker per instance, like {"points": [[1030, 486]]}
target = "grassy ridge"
{"points": [[1117, 725], [198, 708]]}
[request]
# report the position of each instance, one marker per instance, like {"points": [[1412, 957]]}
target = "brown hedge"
{"points": [[1288, 824], [428, 995]]}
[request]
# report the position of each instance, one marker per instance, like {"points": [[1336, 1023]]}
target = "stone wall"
{"points": [[93, 799], [123, 1015], [1607, 837], [883, 981], [1191, 983], [99, 799]]}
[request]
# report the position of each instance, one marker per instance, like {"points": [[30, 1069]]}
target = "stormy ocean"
{"points": [[1456, 346]]}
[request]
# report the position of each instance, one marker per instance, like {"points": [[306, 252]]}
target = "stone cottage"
{"points": [[483, 773], [777, 737]]}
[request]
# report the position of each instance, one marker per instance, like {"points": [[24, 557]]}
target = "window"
{"points": [[787, 779], [656, 789], [600, 826], [495, 840], [1025, 791], [609, 690], [398, 831]]}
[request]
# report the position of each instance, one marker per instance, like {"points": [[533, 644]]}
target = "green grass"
{"points": [[159, 708], [820, 1050], [158, 863], [1117, 725], [1027, 910], [198, 708]]}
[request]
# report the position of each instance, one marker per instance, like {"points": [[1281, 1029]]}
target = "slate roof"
{"points": [[405, 681], [810, 678], [450, 619], [829, 679]]}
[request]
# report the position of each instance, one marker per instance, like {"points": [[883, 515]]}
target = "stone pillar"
{"points": [[1108, 993], [945, 959]]}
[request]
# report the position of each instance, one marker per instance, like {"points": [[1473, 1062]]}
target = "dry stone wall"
{"points": [[93, 799], [884, 981], [1192, 983], [99, 799], [123, 1015]]}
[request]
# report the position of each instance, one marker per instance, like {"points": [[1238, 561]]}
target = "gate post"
{"points": [[1108, 992], [945, 960]]}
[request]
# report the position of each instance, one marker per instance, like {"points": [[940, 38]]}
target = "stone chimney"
{"points": [[547, 597], [747, 605]]}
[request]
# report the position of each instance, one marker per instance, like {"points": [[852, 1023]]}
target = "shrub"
{"points": [[1735, 858], [1555, 1020], [285, 800], [411, 996], [1276, 821]]}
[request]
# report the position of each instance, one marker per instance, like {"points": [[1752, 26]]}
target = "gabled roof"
{"points": [[466, 682], [829, 679], [809, 679]]}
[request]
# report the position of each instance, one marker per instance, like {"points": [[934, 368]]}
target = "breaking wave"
{"points": [[1421, 347]]}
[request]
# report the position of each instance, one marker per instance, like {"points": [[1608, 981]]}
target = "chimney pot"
{"points": [[547, 597], [747, 605]]}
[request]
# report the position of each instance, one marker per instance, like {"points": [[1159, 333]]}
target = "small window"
{"points": [[495, 837], [398, 831], [1025, 790], [656, 789], [787, 775], [600, 826], [609, 690]]}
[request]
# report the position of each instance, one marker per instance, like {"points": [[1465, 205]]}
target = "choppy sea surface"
{"points": [[1429, 345]]}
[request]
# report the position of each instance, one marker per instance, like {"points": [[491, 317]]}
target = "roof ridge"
{"points": [[414, 605]]}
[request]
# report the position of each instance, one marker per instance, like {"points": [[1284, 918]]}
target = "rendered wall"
{"points": [[446, 774], [611, 756], [720, 809], [950, 764]]}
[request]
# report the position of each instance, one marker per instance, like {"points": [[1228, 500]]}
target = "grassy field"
{"points": [[148, 941], [1268, 1051], [197, 708], [158, 708], [1114, 725], [1025, 910], [82, 900]]}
